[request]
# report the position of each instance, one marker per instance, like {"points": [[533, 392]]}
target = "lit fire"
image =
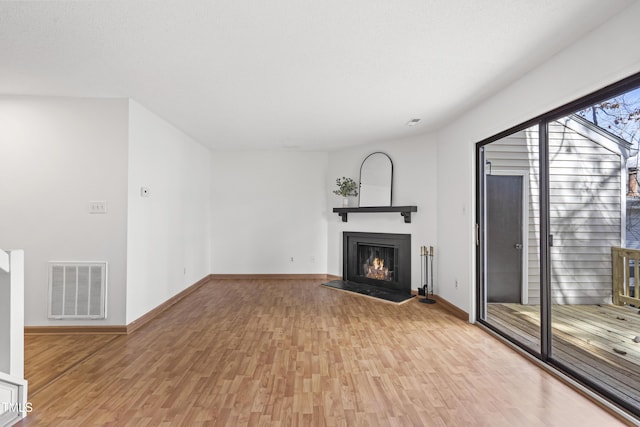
{"points": [[377, 270]]}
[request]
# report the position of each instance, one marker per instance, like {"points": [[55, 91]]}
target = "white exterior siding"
{"points": [[586, 209]]}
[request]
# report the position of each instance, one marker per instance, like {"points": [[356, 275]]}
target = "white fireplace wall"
{"points": [[414, 183]]}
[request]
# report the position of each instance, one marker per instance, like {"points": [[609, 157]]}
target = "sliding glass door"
{"points": [[559, 240], [511, 277], [593, 334]]}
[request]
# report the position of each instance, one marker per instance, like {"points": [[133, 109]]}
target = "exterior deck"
{"points": [[597, 341]]}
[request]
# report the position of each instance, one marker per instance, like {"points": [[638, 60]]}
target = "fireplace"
{"points": [[380, 260], [376, 262]]}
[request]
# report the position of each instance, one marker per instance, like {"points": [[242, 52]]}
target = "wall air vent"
{"points": [[77, 290]]}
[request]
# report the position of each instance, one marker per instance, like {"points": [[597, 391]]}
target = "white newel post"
{"points": [[17, 314], [5, 312]]}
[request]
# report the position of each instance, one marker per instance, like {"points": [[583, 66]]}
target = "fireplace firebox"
{"points": [[380, 260]]}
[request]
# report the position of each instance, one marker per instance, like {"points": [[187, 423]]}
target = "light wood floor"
{"points": [[291, 352]]}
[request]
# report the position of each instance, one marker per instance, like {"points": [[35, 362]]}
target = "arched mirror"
{"points": [[376, 178]]}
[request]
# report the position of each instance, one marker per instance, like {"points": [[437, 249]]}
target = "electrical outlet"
{"points": [[290, 259], [98, 207], [456, 283]]}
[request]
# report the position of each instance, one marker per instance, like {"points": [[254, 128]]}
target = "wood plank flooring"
{"points": [[596, 340], [49, 356], [291, 352]]}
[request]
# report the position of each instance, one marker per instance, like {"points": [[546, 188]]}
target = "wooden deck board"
{"points": [[523, 331], [585, 336]]}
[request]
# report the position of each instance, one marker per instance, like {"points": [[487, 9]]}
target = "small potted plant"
{"points": [[346, 187]]}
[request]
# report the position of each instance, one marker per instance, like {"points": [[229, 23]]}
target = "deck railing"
{"points": [[626, 269]]}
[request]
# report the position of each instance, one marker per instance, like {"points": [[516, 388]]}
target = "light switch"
{"points": [[98, 207]]}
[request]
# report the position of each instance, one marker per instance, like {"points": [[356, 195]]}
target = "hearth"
{"points": [[377, 265]]}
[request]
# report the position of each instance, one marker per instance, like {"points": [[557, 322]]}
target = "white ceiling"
{"points": [[288, 74]]}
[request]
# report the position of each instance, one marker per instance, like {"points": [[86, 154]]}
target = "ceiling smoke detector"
{"points": [[413, 122]]}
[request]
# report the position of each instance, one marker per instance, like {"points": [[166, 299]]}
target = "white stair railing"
{"points": [[13, 400], [13, 386]]}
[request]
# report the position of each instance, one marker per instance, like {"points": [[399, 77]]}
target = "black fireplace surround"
{"points": [[380, 260]]}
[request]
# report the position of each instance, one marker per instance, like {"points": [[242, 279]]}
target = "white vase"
{"points": [[345, 202]]}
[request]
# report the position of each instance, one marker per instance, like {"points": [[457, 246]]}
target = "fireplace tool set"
{"points": [[426, 258]]}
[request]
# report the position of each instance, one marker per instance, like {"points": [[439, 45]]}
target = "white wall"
{"points": [[604, 56], [266, 208], [168, 232], [414, 183], [57, 154]]}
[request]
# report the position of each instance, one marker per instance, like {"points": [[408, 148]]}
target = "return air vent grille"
{"points": [[77, 290]]}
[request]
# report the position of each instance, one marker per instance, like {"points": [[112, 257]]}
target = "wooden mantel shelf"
{"points": [[405, 211]]}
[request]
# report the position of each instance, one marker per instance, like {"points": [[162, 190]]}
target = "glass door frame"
{"points": [[542, 121]]}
